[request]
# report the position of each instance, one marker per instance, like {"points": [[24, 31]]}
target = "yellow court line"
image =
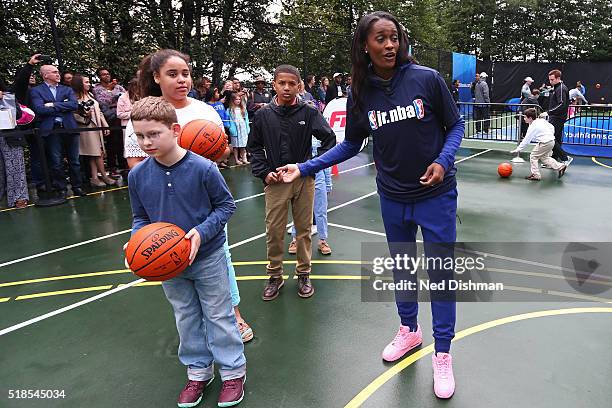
{"points": [[14, 208], [256, 277], [119, 271], [314, 277], [107, 191], [56, 278], [246, 263], [601, 164], [72, 197], [63, 292], [367, 392], [238, 278], [338, 277], [328, 262], [548, 276]]}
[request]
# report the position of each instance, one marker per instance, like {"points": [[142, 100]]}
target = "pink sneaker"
{"points": [[444, 380], [404, 341]]}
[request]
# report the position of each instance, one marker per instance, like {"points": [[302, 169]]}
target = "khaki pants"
{"points": [[543, 152], [300, 194]]}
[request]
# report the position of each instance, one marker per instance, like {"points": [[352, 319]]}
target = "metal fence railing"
{"points": [[588, 125], [500, 122], [48, 196]]}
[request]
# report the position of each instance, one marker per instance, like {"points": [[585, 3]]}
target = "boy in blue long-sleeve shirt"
{"points": [[174, 185]]}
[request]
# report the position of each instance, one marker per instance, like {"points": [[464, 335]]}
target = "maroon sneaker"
{"points": [[192, 393], [232, 392]]}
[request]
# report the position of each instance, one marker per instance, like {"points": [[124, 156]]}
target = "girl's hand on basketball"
{"points": [[289, 173], [433, 175], [194, 237]]}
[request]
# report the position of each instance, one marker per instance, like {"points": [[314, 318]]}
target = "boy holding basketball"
{"points": [[177, 186], [281, 133], [543, 133]]}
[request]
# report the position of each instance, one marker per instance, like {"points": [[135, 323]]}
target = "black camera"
{"points": [[45, 59], [85, 106]]}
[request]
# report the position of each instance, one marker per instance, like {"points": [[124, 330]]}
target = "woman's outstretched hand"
{"points": [[288, 173]]}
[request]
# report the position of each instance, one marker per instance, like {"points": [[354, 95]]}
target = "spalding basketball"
{"points": [[158, 251], [504, 170], [203, 137]]}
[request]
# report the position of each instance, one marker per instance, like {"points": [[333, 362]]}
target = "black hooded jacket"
{"points": [[559, 102], [282, 135]]}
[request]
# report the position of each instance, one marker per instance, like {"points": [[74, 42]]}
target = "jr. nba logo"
{"points": [[419, 109], [372, 118]]}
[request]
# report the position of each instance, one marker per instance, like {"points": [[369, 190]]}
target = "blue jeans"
{"points": [[320, 205], [231, 272], [205, 319], [437, 218], [328, 179], [54, 145]]}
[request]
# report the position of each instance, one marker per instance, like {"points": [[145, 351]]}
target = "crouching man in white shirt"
{"points": [[543, 133]]}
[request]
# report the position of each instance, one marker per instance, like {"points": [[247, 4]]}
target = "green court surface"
{"points": [[121, 350]]}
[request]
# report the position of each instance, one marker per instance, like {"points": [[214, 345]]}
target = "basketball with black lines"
{"points": [[158, 251], [203, 137]]}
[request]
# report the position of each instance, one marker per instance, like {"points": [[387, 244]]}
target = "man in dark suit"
{"points": [[54, 105], [335, 89]]}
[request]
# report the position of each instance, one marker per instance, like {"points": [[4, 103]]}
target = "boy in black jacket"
{"points": [[281, 133]]}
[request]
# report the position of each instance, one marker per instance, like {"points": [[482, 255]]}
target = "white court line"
{"points": [[355, 168], [67, 308], [137, 281], [474, 155], [346, 227], [120, 233], [255, 237], [249, 197], [120, 288], [64, 248]]}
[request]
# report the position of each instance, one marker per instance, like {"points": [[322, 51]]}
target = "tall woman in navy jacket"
{"points": [[416, 130]]}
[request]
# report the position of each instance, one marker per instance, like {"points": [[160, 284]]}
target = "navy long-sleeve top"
{"points": [[191, 193], [414, 122]]}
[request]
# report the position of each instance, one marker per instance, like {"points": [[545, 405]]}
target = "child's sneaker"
{"points": [[232, 392], [324, 248], [192, 393], [404, 341], [292, 247], [246, 333], [444, 380]]}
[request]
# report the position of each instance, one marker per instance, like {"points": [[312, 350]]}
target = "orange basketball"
{"points": [[158, 251], [504, 170], [203, 137]]}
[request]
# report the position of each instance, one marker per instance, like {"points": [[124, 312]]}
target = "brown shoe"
{"points": [[109, 181], [305, 288], [292, 247], [272, 288], [21, 203], [324, 248], [532, 178]]}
